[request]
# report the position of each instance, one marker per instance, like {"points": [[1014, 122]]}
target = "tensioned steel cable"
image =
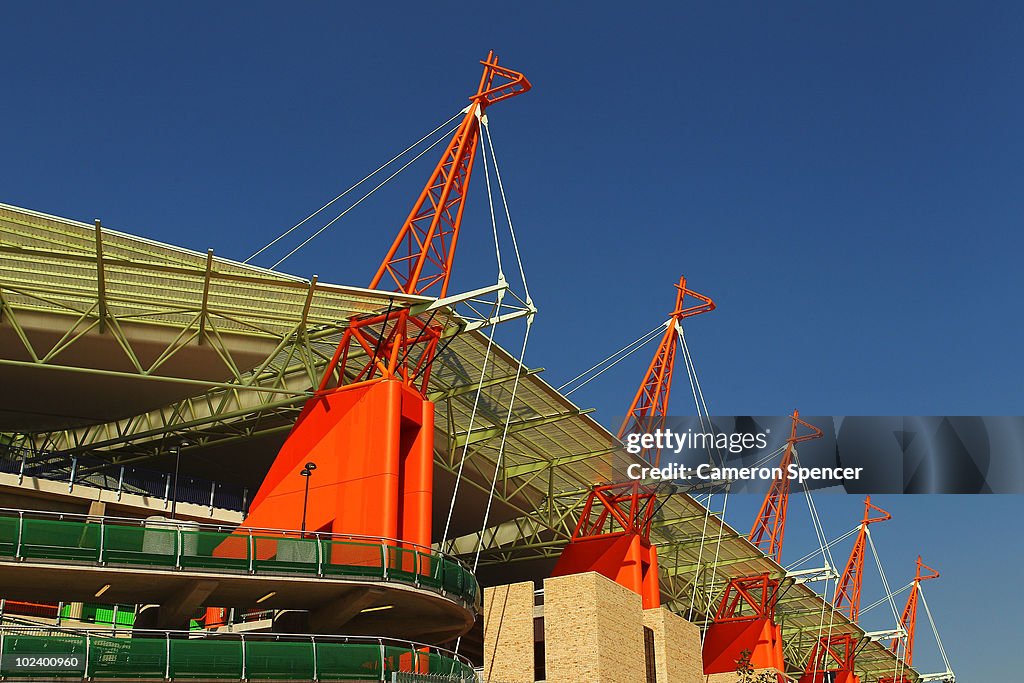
{"points": [[487, 354], [508, 215], [935, 630], [885, 598], [892, 602], [814, 553], [515, 389], [626, 350], [379, 169], [361, 199]]}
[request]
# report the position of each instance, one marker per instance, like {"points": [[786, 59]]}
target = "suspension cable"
{"points": [[897, 669], [885, 581], [703, 414], [884, 599], [501, 448], [515, 385], [935, 630], [814, 553], [698, 393], [379, 169], [628, 350], [508, 215], [360, 200], [700, 557], [487, 356], [714, 564]]}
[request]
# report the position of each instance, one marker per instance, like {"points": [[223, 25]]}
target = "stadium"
{"points": [[383, 470]]}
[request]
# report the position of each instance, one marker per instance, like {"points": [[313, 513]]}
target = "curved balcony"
{"points": [[366, 586], [30, 653]]}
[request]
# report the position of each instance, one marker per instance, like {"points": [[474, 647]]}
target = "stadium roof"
{"points": [[159, 342]]}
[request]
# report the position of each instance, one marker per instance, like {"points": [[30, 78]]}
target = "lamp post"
{"points": [[177, 464], [306, 473]]}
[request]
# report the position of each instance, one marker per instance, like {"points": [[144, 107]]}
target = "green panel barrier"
{"points": [[127, 657], [472, 587], [63, 646], [431, 568], [266, 659], [126, 616], [401, 564], [348, 661], [8, 536], [411, 660], [102, 614], [136, 545], [56, 540], [285, 555], [212, 550], [345, 558], [113, 658], [160, 547], [202, 658], [453, 577], [446, 666]]}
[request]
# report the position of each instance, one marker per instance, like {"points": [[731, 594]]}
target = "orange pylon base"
{"points": [[373, 446], [624, 558], [726, 640]]}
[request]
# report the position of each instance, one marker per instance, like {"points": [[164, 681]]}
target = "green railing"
{"points": [[32, 653], [112, 615], [172, 546]]}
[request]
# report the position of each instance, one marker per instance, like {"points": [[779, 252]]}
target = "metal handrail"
{"points": [[57, 466], [219, 636], [469, 594], [228, 529]]}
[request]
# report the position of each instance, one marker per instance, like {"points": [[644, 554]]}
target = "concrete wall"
{"points": [[676, 647], [508, 633], [593, 633], [593, 630]]}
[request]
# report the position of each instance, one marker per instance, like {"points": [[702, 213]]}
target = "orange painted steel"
{"points": [[745, 619], [369, 427], [770, 526], [836, 654], [909, 621], [848, 593], [373, 447], [613, 538], [649, 408], [420, 259], [613, 535]]}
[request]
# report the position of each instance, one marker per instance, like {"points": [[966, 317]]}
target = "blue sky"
{"points": [[845, 181]]}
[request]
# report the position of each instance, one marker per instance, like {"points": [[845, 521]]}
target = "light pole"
{"points": [[306, 473], [177, 464]]}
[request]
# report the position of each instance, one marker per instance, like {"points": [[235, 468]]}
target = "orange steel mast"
{"points": [[613, 535], [745, 619], [909, 620], [421, 256], [770, 526], [369, 427], [841, 649], [649, 408]]}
